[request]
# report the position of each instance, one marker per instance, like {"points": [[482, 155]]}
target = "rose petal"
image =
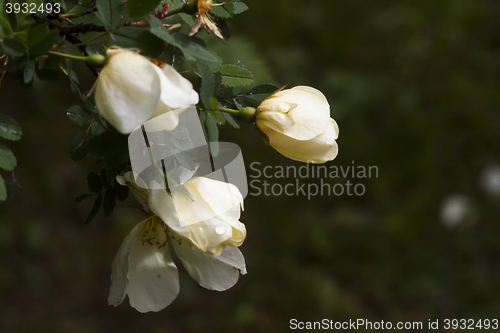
{"points": [[320, 149], [127, 91], [119, 267], [206, 269], [153, 277]]}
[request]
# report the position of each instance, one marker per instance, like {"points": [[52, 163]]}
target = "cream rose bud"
{"points": [[209, 219], [297, 124], [131, 89]]}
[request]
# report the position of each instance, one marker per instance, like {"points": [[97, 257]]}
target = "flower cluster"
{"points": [[199, 223]]}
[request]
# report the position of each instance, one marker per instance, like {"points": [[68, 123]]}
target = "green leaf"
{"points": [[14, 47], [83, 196], [203, 118], [29, 71], [78, 147], [96, 129], [239, 7], [185, 160], [121, 192], [213, 133], [220, 119], [192, 49], [261, 92], [95, 209], [190, 46], [136, 8], [109, 12], [109, 201], [9, 128], [218, 82], [7, 159], [229, 8], [5, 28], [94, 182], [16, 63], [221, 12], [133, 37], [44, 45], [79, 115], [231, 120], [3, 190], [207, 84], [235, 76]]}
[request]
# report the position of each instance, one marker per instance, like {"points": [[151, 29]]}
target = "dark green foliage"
{"points": [[95, 209]]}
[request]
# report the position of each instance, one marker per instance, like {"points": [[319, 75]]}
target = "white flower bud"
{"points": [[131, 89], [297, 124]]}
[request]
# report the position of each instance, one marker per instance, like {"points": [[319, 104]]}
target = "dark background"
{"points": [[414, 87]]}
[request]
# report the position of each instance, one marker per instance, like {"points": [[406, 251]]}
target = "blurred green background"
{"points": [[415, 89]]}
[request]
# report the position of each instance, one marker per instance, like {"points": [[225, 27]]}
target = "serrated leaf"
{"points": [[133, 37], [221, 12], [14, 47], [239, 7], [203, 117], [188, 45], [95, 209], [121, 191], [79, 115], [78, 147], [96, 129], [7, 159], [218, 82], [185, 160], [109, 12], [83, 196], [231, 120], [207, 84], [3, 190], [136, 8], [219, 117], [109, 201], [235, 76], [9, 128]]}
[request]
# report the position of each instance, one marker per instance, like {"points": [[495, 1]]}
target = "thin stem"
{"points": [[229, 110], [69, 56], [153, 160]]}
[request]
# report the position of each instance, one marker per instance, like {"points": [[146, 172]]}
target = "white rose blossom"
{"points": [[131, 89], [204, 234], [297, 124]]}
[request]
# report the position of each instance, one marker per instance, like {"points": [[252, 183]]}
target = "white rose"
{"points": [[210, 220], [131, 89], [144, 269], [297, 124]]}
